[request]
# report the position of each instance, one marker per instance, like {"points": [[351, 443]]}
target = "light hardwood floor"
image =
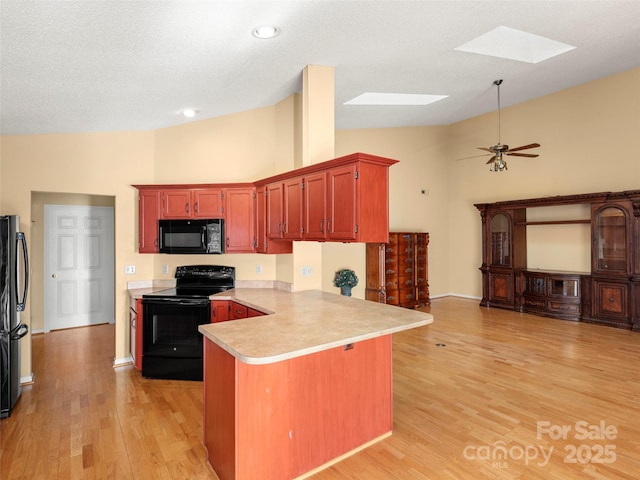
{"points": [[505, 383]]}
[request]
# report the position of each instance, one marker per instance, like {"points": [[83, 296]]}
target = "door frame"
{"points": [[110, 266]]}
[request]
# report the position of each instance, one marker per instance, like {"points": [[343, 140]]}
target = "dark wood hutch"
{"points": [[608, 294]]}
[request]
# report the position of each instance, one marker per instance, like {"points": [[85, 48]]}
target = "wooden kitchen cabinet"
{"points": [[192, 203], [275, 210], [344, 200], [263, 244], [219, 311], [315, 207], [292, 209], [150, 209], [397, 271], [225, 310], [207, 203], [341, 203], [239, 220], [135, 331], [177, 204], [252, 312], [237, 311], [284, 209]]}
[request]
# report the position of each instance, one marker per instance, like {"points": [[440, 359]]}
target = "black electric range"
{"points": [[198, 281], [171, 342]]}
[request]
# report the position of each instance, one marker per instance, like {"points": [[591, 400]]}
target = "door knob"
{"points": [[54, 275]]}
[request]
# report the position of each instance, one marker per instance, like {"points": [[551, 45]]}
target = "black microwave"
{"points": [[191, 236]]}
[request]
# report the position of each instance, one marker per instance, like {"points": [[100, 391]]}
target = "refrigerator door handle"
{"points": [[19, 332], [21, 303]]}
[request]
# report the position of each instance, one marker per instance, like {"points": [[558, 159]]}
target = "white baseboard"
{"points": [[27, 379], [121, 362], [35, 332], [459, 295]]}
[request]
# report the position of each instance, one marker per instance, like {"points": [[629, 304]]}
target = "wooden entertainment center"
{"points": [[608, 294]]}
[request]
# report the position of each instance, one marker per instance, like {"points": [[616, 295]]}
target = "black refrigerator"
{"points": [[14, 282]]}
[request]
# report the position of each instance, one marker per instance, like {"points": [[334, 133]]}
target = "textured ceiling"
{"points": [[79, 66]]}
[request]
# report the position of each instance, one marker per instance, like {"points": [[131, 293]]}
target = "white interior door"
{"points": [[79, 266]]}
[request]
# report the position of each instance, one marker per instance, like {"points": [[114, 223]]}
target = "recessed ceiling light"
{"points": [[405, 99], [505, 42], [265, 31], [188, 112]]}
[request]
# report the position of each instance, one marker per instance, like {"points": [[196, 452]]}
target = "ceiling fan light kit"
{"points": [[498, 164]]}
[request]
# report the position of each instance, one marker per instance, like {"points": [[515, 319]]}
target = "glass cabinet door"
{"points": [[611, 240], [500, 240]]}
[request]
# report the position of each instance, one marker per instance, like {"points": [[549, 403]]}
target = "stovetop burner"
{"points": [[198, 281]]}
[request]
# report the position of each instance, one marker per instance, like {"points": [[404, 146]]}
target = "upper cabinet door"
{"points": [[611, 239], [315, 207], [292, 209], [207, 203], [239, 220], [150, 208], [176, 204], [260, 213], [275, 209], [500, 240], [342, 203]]}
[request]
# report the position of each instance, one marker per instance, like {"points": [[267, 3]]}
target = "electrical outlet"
{"points": [[129, 269], [259, 269], [165, 269], [306, 271]]}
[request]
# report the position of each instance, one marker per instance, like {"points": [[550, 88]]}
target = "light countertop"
{"points": [[305, 322]]}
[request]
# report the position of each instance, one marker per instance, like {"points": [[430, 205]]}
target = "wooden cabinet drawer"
{"points": [[423, 294], [406, 281], [393, 297], [407, 297], [237, 311], [534, 303], [391, 283], [564, 307]]}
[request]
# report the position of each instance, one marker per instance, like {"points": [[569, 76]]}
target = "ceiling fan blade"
{"points": [[530, 155], [473, 156], [491, 160], [485, 149], [524, 147]]}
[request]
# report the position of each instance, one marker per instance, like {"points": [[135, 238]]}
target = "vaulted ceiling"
{"points": [[79, 66]]}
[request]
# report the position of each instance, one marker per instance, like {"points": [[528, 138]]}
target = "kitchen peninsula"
{"points": [[300, 387]]}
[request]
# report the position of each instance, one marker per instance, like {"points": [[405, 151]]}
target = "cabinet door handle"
{"points": [[186, 207], [322, 226], [195, 207], [284, 227], [611, 300], [227, 242], [329, 222]]}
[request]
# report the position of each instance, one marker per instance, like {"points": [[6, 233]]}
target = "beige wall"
{"points": [[587, 134], [101, 164], [422, 155]]}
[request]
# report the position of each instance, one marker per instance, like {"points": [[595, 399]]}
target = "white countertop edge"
{"points": [[311, 349]]}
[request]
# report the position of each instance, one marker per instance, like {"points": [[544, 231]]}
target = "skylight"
{"points": [[505, 42], [402, 99]]}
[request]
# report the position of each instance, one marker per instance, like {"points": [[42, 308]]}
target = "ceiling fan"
{"points": [[498, 163]]}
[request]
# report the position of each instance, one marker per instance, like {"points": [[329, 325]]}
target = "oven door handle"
{"points": [[189, 302]]}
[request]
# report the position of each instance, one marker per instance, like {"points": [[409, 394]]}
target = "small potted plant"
{"points": [[346, 279]]}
